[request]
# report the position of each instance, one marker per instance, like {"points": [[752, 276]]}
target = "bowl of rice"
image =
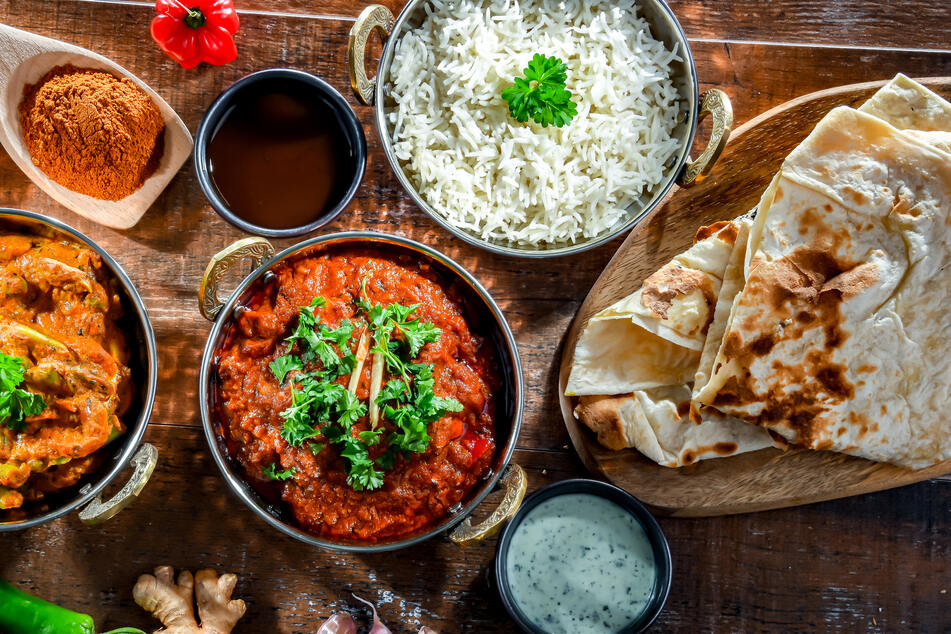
{"points": [[521, 188]]}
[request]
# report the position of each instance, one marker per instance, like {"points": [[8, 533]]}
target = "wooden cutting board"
{"points": [[765, 479]]}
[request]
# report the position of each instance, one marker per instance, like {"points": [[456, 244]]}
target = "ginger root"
{"points": [[172, 603]]}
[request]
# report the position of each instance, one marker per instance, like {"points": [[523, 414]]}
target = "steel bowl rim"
{"points": [[501, 249], [234, 480], [213, 115], [134, 435], [660, 545]]}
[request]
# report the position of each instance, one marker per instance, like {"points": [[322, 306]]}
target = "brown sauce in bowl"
{"points": [[279, 158]]}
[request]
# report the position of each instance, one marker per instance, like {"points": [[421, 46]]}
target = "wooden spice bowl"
{"points": [[24, 59]]}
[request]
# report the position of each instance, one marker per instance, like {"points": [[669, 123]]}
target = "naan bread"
{"points": [[911, 107], [838, 338], [732, 284], [655, 421], [653, 337], [908, 105], [635, 363]]}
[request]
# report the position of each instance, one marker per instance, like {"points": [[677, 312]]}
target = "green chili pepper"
{"points": [[22, 613]]}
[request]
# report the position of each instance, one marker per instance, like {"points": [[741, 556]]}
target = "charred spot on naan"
{"points": [[725, 230], [690, 456], [675, 282], [796, 293], [683, 409], [600, 414], [799, 397], [800, 292]]}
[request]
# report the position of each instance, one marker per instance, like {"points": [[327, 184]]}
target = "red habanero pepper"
{"points": [[195, 31]]}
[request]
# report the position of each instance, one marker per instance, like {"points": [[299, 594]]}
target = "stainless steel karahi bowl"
{"points": [[486, 319], [87, 495], [681, 169]]}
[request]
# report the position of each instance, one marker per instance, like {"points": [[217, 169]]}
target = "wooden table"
{"points": [[875, 562]]}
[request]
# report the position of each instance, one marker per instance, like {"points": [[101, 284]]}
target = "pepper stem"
{"points": [[194, 18]]}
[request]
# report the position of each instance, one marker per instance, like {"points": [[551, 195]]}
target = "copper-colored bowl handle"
{"points": [[714, 102], [374, 17], [515, 483], [258, 250], [144, 462]]}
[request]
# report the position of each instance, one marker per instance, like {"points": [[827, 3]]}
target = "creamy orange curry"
{"points": [[58, 316]]}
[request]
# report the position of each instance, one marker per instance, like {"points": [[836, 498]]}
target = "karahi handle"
{"points": [[516, 484], [144, 462], [258, 250], [375, 17], [717, 104]]}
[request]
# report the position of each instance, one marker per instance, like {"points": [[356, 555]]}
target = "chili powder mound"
{"points": [[91, 131]]}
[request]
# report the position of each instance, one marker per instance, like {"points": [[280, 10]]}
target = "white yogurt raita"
{"points": [[580, 563]]}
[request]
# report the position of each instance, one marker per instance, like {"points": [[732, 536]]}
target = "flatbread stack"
{"points": [[823, 323], [635, 363]]}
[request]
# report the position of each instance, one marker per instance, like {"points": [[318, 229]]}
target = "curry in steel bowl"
{"points": [[357, 391], [75, 348]]}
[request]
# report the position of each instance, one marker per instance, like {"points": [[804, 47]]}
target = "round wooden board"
{"points": [[765, 479]]}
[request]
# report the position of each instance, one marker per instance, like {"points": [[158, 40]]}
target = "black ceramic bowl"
{"points": [[661, 550], [349, 126]]}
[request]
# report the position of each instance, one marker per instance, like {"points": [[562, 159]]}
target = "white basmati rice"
{"points": [[521, 183]]}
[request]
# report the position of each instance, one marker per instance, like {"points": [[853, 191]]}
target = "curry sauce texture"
{"points": [[420, 487], [58, 315]]}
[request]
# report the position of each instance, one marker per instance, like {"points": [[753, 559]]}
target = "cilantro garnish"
{"points": [[321, 407], [282, 365], [16, 404], [273, 473], [541, 95]]}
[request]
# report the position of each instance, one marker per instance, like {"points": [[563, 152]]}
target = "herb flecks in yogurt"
{"points": [[580, 563]]}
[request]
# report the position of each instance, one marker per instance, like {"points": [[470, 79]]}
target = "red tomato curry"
{"points": [[420, 488]]}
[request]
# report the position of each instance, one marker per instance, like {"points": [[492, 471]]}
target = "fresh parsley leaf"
{"points": [[339, 335], [364, 476], [282, 365], [315, 447], [444, 405], [16, 404], [418, 334], [361, 473], [272, 472], [370, 437], [349, 408], [541, 95], [394, 390], [11, 372], [297, 427]]}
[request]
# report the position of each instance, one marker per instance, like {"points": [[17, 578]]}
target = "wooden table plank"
{"points": [[865, 563]]}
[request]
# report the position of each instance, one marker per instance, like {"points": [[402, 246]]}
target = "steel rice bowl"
{"points": [[144, 366], [487, 320], [664, 27]]}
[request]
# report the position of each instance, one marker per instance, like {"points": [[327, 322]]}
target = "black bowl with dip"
{"points": [[620, 551], [280, 153]]}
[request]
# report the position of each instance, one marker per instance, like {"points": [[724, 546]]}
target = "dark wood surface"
{"points": [[875, 562]]}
